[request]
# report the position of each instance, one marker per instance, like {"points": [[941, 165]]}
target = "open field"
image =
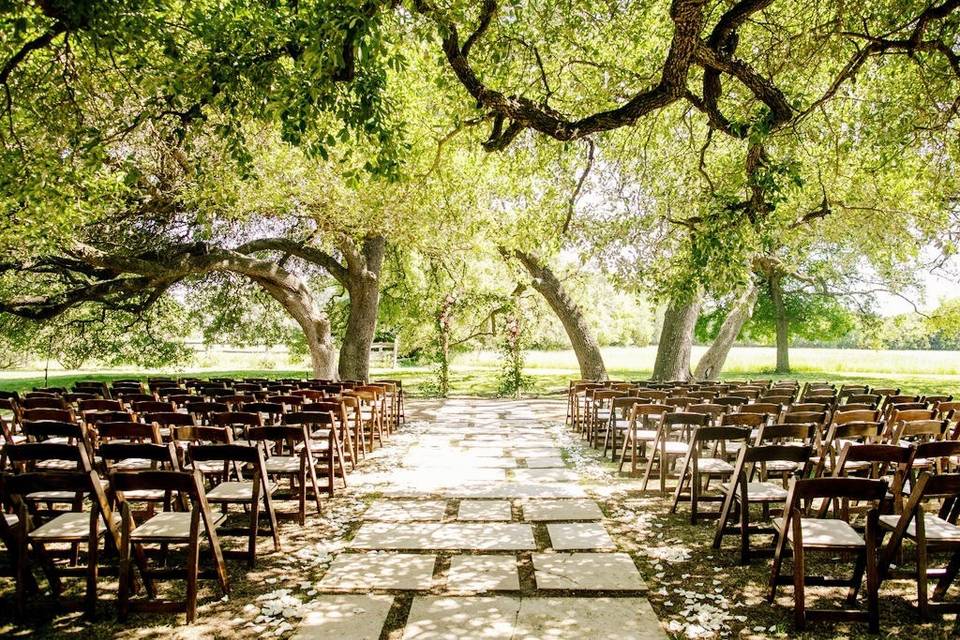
{"points": [[475, 373]]}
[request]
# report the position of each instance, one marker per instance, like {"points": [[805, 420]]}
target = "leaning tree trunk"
{"points": [[782, 322], [584, 344], [711, 363], [676, 339], [363, 285], [299, 303]]}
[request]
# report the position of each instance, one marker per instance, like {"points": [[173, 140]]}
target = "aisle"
{"points": [[480, 530]]}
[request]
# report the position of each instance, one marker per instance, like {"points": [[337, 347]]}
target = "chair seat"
{"points": [[57, 465], [676, 448], [824, 533], [207, 467], [132, 464], [781, 466], [54, 496], [283, 464], [169, 525], [713, 465], [936, 529], [761, 492], [232, 491], [11, 519], [648, 435], [74, 525], [147, 495]]}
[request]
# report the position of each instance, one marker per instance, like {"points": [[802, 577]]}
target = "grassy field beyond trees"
{"points": [[475, 372]]}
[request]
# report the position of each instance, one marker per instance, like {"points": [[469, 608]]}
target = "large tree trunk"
{"points": [[711, 363], [676, 340], [584, 344], [363, 285], [774, 280]]}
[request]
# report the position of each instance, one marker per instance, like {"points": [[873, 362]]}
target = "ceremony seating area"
{"points": [[870, 476], [112, 480]]}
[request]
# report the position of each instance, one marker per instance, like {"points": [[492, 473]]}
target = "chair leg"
{"points": [[949, 574], [799, 595], [745, 531], [193, 566], [92, 569], [873, 574]]}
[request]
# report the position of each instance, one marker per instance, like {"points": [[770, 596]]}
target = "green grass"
{"points": [[475, 373]]}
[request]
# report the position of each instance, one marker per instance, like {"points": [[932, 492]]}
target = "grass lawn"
{"points": [[475, 373]]}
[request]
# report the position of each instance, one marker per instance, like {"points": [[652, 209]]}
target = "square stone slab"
{"points": [[351, 571], [335, 617], [587, 571], [559, 510], [545, 475], [510, 490], [481, 537], [540, 452], [579, 535], [485, 510], [593, 618], [471, 574], [444, 618], [510, 618], [547, 462], [406, 510]]}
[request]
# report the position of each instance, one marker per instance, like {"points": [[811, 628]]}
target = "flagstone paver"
{"points": [[472, 574], [561, 510], [592, 618], [335, 617], [545, 475], [547, 462], [579, 535], [408, 571], [484, 537], [406, 510], [519, 490], [587, 571], [444, 618], [485, 510]]}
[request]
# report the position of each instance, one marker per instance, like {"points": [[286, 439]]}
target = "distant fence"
{"points": [[382, 354]]}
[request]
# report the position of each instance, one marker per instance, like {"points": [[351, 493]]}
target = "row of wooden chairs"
{"points": [[805, 452], [129, 486]]}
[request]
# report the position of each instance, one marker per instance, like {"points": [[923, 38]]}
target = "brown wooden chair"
{"points": [[247, 493], [79, 529], [283, 459], [832, 536], [270, 412], [237, 421], [325, 445], [701, 463], [400, 412], [167, 528], [641, 431], [930, 533], [671, 443], [747, 488]]}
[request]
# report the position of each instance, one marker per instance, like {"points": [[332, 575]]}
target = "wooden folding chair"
{"points": [[697, 467], [641, 431], [167, 528], [325, 445], [833, 536], [930, 533], [671, 443], [283, 459], [747, 488], [247, 493], [76, 528]]}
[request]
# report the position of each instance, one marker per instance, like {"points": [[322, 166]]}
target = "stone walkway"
{"points": [[481, 531]]}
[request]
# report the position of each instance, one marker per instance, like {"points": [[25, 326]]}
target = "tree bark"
{"points": [[363, 284], [676, 340], [711, 363], [584, 344], [775, 283]]}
